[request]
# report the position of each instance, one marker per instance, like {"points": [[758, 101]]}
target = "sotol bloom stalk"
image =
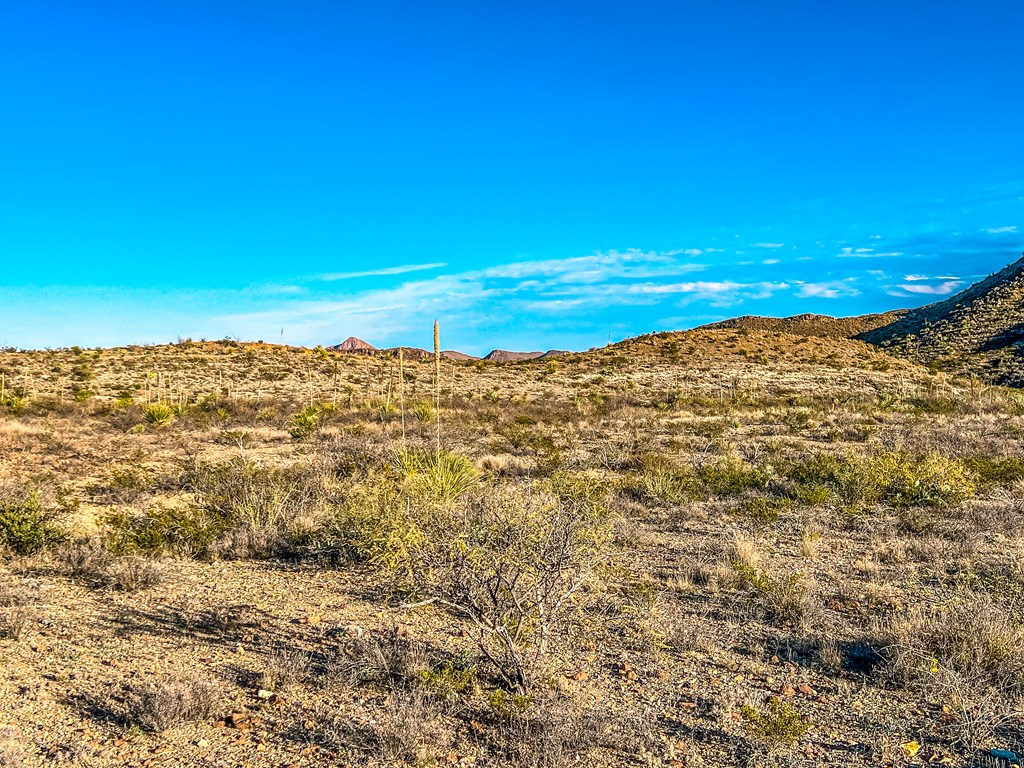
{"points": [[437, 384]]}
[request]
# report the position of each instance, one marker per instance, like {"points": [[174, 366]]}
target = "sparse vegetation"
{"points": [[702, 548]]}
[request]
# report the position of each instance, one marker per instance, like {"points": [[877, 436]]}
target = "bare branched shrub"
{"points": [[87, 562], [14, 621], [131, 574], [160, 706], [967, 655], [507, 559], [16, 613], [545, 730], [285, 668], [510, 561], [261, 510]]}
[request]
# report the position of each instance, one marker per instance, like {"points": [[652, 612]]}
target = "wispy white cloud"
{"points": [[849, 252], [1001, 230], [502, 294], [942, 289], [768, 245], [382, 272], [833, 289]]}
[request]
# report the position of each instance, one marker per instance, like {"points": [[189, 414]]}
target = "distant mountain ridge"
{"points": [[979, 331], [357, 346], [809, 325]]}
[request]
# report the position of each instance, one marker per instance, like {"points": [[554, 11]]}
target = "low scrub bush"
{"points": [[897, 479], [659, 482], [508, 560], [260, 510], [763, 509], [972, 637], [787, 599], [732, 476], [188, 532], [15, 614], [988, 470], [774, 725], [25, 525]]}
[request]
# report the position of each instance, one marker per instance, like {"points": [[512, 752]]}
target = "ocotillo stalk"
{"points": [[437, 384]]}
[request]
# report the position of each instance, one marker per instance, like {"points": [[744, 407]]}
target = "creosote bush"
{"points": [[897, 479], [506, 559], [261, 510]]}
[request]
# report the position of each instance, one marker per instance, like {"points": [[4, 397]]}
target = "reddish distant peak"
{"points": [[352, 344]]}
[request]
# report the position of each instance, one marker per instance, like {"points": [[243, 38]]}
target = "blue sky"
{"points": [[534, 175]]}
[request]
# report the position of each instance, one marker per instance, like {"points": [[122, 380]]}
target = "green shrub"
{"points": [[661, 482], [988, 470], [25, 526], [764, 509], [448, 680], [897, 478], [159, 531], [732, 476], [508, 706], [777, 724], [14, 402]]}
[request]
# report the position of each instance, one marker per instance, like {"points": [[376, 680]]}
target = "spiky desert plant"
{"points": [[158, 414]]}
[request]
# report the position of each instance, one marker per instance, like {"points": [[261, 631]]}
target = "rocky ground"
{"points": [[749, 606]]}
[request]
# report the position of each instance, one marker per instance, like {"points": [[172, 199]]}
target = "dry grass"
{"points": [[603, 562]]}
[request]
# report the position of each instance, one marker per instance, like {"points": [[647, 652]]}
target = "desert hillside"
{"points": [[977, 331], [720, 547], [811, 325]]}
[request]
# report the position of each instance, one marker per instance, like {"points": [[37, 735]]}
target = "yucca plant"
{"points": [[424, 411], [443, 474], [158, 414]]}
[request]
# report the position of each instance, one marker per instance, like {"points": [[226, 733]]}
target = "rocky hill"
{"points": [[979, 330], [809, 324], [352, 344], [504, 356]]}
